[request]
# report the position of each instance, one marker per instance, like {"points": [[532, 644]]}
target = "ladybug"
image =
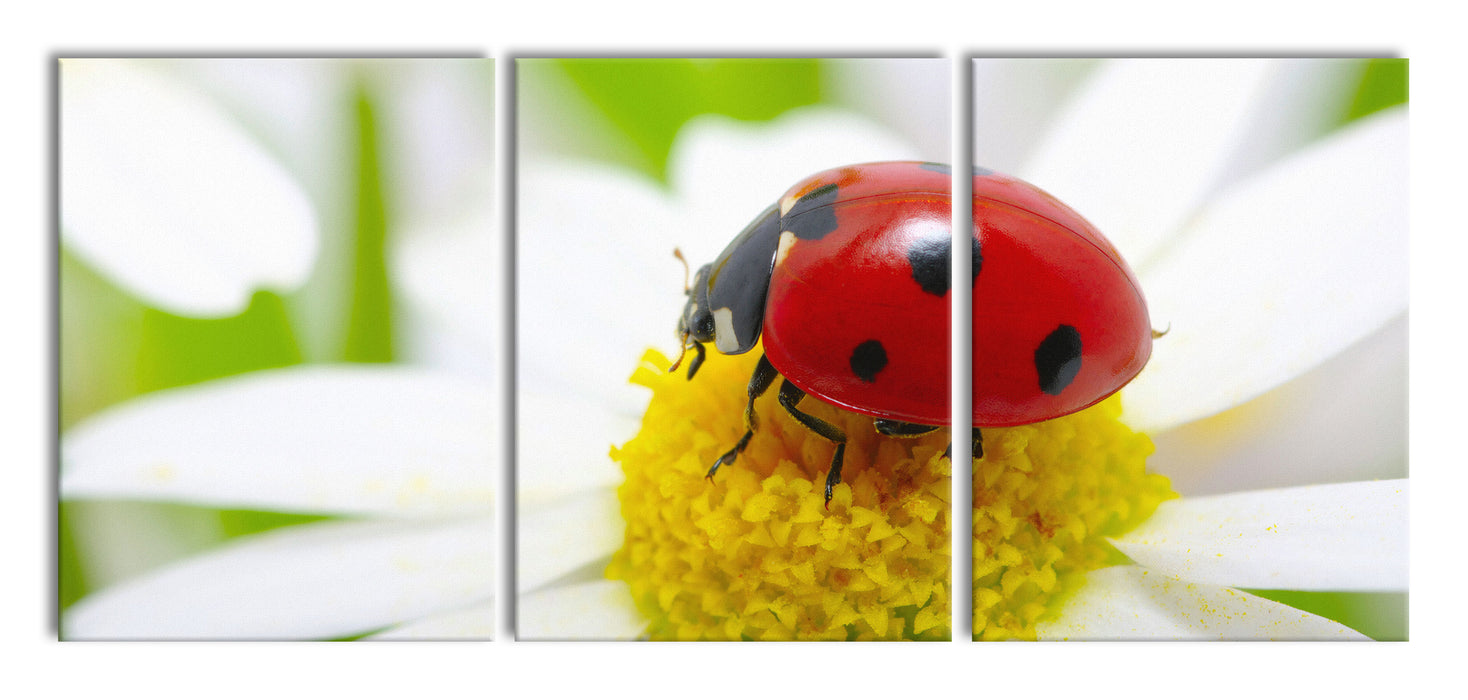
{"points": [[847, 280]]}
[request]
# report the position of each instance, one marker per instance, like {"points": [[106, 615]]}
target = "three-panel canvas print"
{"points": [[687, 349]]}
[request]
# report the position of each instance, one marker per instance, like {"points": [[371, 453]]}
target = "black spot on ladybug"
{"points": [[980, 171], [868, 359], [1058, 359], [932, 262], [811, 217]]}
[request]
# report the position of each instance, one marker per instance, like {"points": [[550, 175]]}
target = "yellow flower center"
{"points": [[1046, 496], [756, 553]]}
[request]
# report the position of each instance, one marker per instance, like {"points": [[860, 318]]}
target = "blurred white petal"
{"points": [[1277, 275], [912, 96], [288, 103], [320, 439], [1301, 100], [1138, 149], [307, 582], [473, 622], [558, 459], [448, 269], [594, 254], [1132, 603], [1016, 101], [168, 198], [303, 111], [566, 537], [1335, 537], [599, 610], [1345, 420], [439, 127]]}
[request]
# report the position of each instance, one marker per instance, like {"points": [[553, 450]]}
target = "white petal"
{"points": [[573, 538], [564, 441], [727, 171], [1279, 274], [164, 195], [1302, 100], [474, 622], [320, 439], [913, 95], [1016, 100], [308, 582], [300, 109], [449, 269], [1131, 603], [597, 282], [1336, 537], [438, 119], [289, 103], [1138, 149], [597, 610], [1287, 437]]}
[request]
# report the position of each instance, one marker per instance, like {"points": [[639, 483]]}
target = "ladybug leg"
{"points": [[759, 382], [897, 428], [978, 452], [790, 395], [697, 360]]}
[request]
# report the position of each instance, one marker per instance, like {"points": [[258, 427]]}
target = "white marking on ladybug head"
{"points": [[787, 239], [786, 203], [724, 337]]}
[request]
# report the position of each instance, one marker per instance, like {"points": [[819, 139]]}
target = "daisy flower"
{"points": [[561, 490], [398, 458], [1278, 261]]}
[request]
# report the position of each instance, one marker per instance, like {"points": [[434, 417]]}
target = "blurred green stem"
{"points": [[369, 325]]}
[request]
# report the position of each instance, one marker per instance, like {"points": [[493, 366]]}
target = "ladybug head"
{"points": [[696, 324], [697, 321]]}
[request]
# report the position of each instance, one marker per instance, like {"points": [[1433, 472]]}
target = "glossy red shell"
{"points": [[1042, 267], [855, 284]]}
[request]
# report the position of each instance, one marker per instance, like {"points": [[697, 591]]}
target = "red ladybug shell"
{"points": [[1059, 322], [847, 317], [857, 312]]}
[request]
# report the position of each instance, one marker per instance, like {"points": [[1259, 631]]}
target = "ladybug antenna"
{"points": [[1158, 334], [679, 255]]}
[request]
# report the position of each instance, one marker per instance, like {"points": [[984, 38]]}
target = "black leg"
{"points": [[759, 382], [697, 360], [790, 395], [897, 428], [978, 452]]}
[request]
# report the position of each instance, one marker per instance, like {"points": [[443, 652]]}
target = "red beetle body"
{"points": [[1059, 322], [847, 278], [859, 316]]}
